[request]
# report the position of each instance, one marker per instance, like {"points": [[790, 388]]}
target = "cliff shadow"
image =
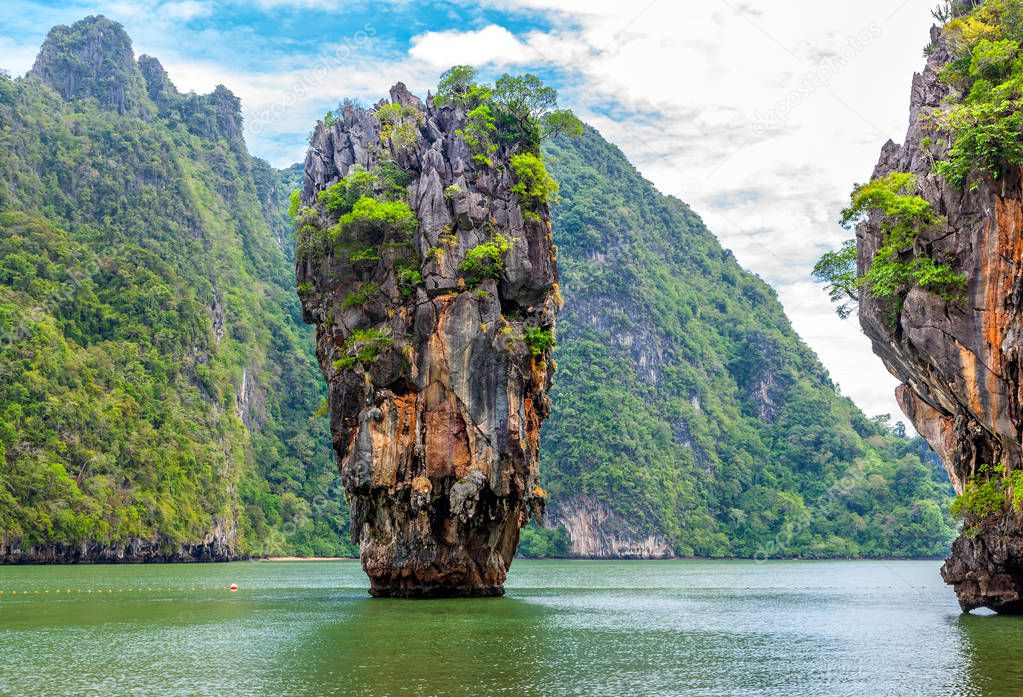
{"points": [[993, 655]]}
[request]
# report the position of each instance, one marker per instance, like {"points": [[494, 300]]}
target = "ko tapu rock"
{"points": [[428, 269], [958, 353]]}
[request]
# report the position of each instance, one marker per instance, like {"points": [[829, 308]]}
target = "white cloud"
{"points": [[761, 120], [17, 56], [491, 44], [288, 102], [185, 10]]}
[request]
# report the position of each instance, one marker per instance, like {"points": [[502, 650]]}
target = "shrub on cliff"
{"points": [[899, 264], [455, 84], [484, 261], [370, 216], [408, 276], [392, 180], [539, 340], [363, 347], [361, 295], [989, 492], [534, 186], [365, 203], [342, 196], [837, 270], [985, 120], [532, 107], [478, 134], [399, 124], [517, 108]]}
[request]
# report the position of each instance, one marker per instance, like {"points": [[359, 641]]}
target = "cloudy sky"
{"points": [[760, 115]]}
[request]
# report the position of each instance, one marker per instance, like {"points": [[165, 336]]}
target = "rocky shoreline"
{"points": [[139, 552]]}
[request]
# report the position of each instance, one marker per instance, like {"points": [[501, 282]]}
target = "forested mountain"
{"points": [[158, 391], [159, 397], [689, 417]]}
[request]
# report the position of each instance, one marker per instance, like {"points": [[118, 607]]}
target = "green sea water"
{"points": [[564, 628]]}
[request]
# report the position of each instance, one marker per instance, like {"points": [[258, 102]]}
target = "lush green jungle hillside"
{"points": [[686, 404], [157, 386], [158, 383]]}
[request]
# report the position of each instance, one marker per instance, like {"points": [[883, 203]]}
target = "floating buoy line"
{"points": [[13, 593], [7, 594], [83, 591]]}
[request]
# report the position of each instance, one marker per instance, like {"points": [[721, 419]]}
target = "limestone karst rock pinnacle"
{"points": [[433, 333]]}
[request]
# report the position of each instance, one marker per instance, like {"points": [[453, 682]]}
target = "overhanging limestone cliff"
{"points": [[433, 289], [959, 357]]}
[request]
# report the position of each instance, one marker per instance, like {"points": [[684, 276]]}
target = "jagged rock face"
{"points": [[92, 58], [437, 437], [960, 360], [598, 533], [219, 546]]}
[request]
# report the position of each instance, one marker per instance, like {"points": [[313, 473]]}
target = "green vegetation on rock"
{"points": [[988, 492], [361, 295], [985, 118], [539, 340], [409, 277], [837, 270], [362, 207], [400, 124], [363, 347], [516, 108], [534, 186], [898, 265], [156, 382], [370, 215], [484, 260], [687, 405], [340, 198]]}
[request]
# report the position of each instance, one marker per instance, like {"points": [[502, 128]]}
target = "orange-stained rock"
{"points": [[437, 433], [960, 360]]}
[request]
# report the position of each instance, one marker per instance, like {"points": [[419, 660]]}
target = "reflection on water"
{"points": [[450, 647], [566, 628], [993, 651]]}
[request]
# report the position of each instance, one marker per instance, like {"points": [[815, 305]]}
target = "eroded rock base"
{"points": [[986, 570], [433, 554], [384, 588]]}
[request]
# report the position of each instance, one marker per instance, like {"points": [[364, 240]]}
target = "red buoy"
{"points": [[234, 587]]}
